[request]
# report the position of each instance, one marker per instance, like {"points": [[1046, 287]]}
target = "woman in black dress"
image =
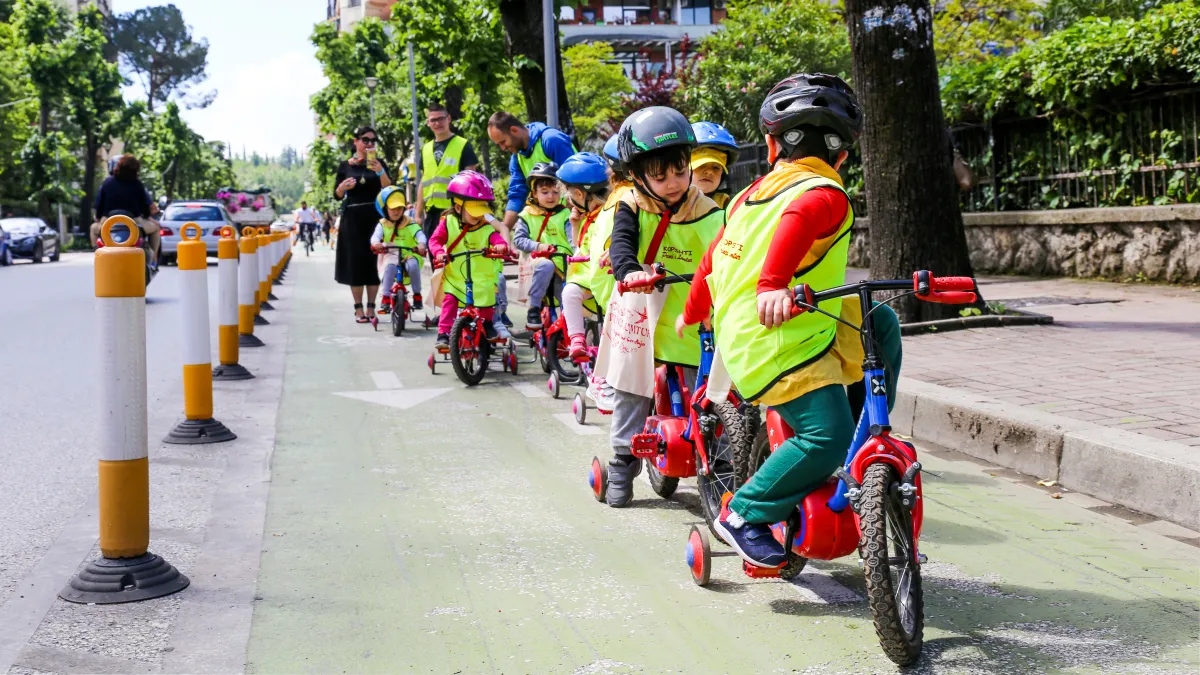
{"points": [[359, 180]]}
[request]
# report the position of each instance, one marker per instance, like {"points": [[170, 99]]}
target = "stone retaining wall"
{"points": [[1161, 243]]}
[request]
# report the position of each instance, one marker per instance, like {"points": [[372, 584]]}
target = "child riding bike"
{"points": [[467, 225], [585, 176], [716, 152], [542, 226], [791, 226], [397, 229], [664, 219]]}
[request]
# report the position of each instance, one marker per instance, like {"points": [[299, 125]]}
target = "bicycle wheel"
{"points": [[470, 360], [398, 313], [890, 563], [663, 486], [559, 359], [728, 438], [747, 459]]}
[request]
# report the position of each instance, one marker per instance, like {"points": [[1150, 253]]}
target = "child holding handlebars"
{"points": [[396, 229], [468, 225], [792, 226], [542, 226]]}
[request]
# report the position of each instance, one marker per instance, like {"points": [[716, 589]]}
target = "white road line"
{"points": [[581, 429], [530, 390], [386, 379]]}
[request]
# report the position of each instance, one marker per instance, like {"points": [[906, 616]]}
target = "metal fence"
{"points": [[1140, 151]]}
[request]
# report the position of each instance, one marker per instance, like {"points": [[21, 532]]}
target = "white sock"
{"points": [[735, 521]]}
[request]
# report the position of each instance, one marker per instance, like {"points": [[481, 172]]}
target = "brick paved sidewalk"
{"points": [[1130, 360]]}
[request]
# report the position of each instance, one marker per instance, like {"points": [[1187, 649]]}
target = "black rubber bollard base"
{"points": [[260, 321], [278, 280], [199, 432], [250, 340], [107, 581], [265, 306], [271, 296], [231, 372]]}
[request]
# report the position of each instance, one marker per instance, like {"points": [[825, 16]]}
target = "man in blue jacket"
{"points": [[529, 144]]}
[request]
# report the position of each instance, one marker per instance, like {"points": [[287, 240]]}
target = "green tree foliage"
{"points": [[1059, 14], [323, 161], [93, 96], [156, 46], [762, 42], [176, 161], [597, 89], [41, 28], [975, 30], [286, 176], [16, 118]]}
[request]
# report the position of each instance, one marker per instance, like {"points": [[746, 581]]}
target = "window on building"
{"points": [[695, 12], [637, 11], [353, 3]]}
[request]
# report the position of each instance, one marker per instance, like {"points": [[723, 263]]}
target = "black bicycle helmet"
{"points": [[547, 170], [810, 99], [652, 129]]}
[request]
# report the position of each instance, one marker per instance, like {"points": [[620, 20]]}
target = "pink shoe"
{"points": [[578, 347]]}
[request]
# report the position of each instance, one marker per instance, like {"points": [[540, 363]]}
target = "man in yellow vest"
{"points": [[442, 158], [533, 143], [791, 226]]}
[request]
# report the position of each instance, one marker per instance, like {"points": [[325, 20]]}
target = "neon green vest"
{"points": [[756, 357], [404, 235], [603, 283], [581, 273], [537, 156], [680, 252], [435, 177], [484, 271], [555, 233]]}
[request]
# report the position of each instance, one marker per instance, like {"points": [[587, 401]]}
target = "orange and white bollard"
{"points": [[199, 427], [126, 570], [277, 246], [260, 257], [227, 311], [248, 290], [266, 251]]}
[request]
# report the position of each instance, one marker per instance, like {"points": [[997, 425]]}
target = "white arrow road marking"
{"points": [[530, 390], [581, 429], [386, 379], [395, 398]]}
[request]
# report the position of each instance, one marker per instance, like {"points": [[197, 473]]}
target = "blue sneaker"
{"points": [[754, 542]]}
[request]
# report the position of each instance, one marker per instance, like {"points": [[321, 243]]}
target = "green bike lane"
{"points": [[417, 525]]}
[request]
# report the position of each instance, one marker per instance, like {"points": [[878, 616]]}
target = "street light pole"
{"points": [[550, 38], [412, 84], [372, 82]]}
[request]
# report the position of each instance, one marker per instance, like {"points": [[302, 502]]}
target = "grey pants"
{"points": [[542, 276], [414, 277], [629, 415]]}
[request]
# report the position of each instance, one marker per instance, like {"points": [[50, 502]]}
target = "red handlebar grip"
{"points": [[950, 297], [541, 254], [952, 284], [579, 259], [623, 286]]}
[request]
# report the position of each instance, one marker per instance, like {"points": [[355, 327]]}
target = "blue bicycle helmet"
{"points": [[586, 171], [613, 156], [385, 195], [713, 135]]}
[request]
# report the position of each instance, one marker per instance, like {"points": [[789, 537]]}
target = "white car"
{"points": [[209, 215], [281, 226]]}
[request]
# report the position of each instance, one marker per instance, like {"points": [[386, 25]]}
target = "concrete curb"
{"points": [[1135, 471]]}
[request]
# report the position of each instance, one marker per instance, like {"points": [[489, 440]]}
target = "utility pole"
{"points": [[412, 84], [372, 82], [550, 38]]}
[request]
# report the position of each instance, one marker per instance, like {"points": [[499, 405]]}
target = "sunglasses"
{"points": [[369, 140]]}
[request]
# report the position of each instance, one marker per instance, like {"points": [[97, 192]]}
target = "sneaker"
{"points": [[606, 399], [593, 388], [502, 331], [505, 320], [754, 542], [416, 303], [533, 319], [385, 308], [489, 329], [622, 469], [443, 342], [578, 347]]}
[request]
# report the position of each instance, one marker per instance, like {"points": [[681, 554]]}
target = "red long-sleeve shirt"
{"points": [[814, 215]]}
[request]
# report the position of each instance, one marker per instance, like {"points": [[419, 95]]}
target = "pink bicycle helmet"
{"points": [[471, 186]]}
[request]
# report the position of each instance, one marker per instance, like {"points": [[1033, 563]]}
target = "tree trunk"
{"points": [[523, 37], [92, 146], [912, 198]]}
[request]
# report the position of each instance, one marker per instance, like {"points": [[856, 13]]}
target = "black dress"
{"points": [[356, 263]]}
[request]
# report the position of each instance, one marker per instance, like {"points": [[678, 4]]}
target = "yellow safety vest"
{"points": [[682, 247], [437, 176], [602, 282], [554, 234], [756, 357], [403, 235], [580, 273], [484, 271]]}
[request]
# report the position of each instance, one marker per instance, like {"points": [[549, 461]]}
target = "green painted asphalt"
{"points": [[459, 536]]}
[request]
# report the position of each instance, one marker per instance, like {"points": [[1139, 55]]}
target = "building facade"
{"points": [[646, 35], [349, 12]]}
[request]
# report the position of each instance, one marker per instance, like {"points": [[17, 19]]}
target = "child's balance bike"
{"points": [[702, 438], [470, 350], [880, 482], [550, 342], [401, 308]]}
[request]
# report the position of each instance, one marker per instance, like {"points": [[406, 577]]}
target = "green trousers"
{"points": [[824, 428]]}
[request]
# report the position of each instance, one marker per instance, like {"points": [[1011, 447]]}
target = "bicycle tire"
{"points": [[663, 486], [565, 374], [885, 523], [398, 301], [478, 366], [748, 462], [733, 440]]}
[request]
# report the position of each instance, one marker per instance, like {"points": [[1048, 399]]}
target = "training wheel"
{"points": [[699, 556], [432, 365], [512, 362], [553, 384], [579, 407], [598, 479]]}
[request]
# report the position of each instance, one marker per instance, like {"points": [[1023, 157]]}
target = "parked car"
{"points": [[5, 252], [281, 226], [31, 238], [209, 215]]}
